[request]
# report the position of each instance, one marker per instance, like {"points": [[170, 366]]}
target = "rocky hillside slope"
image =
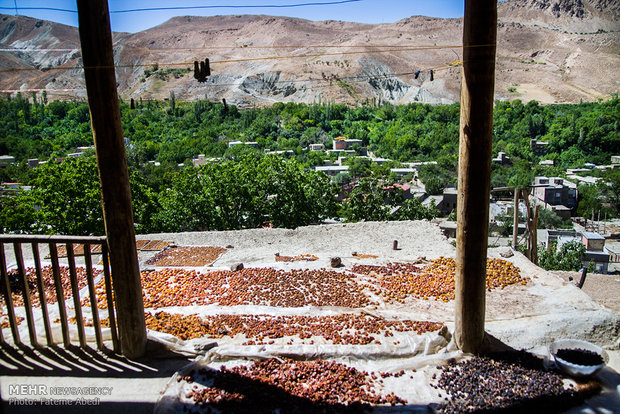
{"points": [[548, 50]]}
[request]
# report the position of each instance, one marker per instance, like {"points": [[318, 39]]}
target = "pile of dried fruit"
{"points": [[364, 256], [153, 245], [396, 281], [78, 250], [511, 382], [252, 286], [297, 287], [352, 329], [298, 258], [502, 273], [48, 284], [286, 386], [61, 251], [141, 243], [191, 256], [259, 287], [4, 319], [100, 294]]}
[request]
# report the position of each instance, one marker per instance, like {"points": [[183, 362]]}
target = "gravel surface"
{"points": [[259, 246]]}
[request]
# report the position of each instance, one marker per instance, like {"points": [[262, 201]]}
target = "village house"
{"points": [[248, 143], [6, 160], [595, 251], [556, 194], [344, 145], [538, 147], [501, 158], [332, 170]]}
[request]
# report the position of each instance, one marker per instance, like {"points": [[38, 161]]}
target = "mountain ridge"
{"points": [[258, 59]]}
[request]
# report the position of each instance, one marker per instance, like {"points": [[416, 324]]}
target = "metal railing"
{"points": [[17, 277]]}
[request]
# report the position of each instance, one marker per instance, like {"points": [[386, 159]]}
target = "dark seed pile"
{"points": [[288, 387], [580, 356], [511, 382]]}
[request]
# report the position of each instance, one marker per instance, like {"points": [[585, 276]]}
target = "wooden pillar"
{"points": [[476, 132], [98, 58], [515, 219]]}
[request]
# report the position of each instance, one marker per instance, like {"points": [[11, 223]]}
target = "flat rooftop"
{"points": [[528, 315]]}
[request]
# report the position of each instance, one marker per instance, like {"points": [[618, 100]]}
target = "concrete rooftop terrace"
{"points": [[527, 317]]}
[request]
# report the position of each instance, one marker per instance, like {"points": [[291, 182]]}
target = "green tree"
{"points": [[548, 219], [358, 167], [366, 202], [68, 197], [413, 209], [521, 174], [246, 193], [568, 258], [435, 178], [372, 201], [17, 214]]}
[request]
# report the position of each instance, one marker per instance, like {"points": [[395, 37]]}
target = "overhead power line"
{"points": [[38, 9], [240, 60], [228, 6], [202, 48], [75, 49], [41, 90], [351, 79]]}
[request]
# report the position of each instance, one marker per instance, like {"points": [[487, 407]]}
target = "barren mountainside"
{"points": [[548, 50]]}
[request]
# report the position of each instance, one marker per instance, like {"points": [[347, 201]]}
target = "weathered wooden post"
{"points": [[98, 58], [476, 132], [515, 219]]}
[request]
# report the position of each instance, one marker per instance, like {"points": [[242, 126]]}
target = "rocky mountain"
{"points": [[548, 50], [565, 15]]}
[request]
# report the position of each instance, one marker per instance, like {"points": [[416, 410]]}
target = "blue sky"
{"points": [[363, 11]]}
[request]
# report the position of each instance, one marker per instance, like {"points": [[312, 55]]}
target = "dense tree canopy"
{"points": [[247, 189], [587, 132], [246, 193]]}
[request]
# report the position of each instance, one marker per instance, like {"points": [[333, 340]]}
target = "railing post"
{"points": [[19, 258], [110, 298], [60, 295], [515, 219], [42, 299], [8, 299], [75, 292], [92, 295]]}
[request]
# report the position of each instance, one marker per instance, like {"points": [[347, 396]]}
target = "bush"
{"points": [[569, 257], [547, 219]]}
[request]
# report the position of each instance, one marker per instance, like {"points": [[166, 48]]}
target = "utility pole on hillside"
{"points": [[98, 58], [476, 132]]}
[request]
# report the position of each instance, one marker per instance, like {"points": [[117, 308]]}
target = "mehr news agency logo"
{"points": [[47, 395]]}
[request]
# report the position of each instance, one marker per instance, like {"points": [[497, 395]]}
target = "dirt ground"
{"points": [[604, 289]]}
